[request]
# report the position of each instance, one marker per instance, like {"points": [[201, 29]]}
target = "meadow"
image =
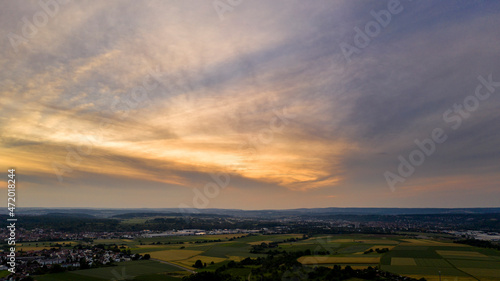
{"points": [[403, 255], [430, 259], [138, 270], [409, 256]]}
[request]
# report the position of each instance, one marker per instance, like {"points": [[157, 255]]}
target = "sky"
{"points": [[251, 104]]}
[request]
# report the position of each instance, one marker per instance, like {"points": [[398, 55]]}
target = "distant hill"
{"points": [[131, 213], [70, 215], [146, 215]]}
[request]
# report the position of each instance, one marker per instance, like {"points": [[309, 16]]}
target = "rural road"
{"points": [[172, 264]]}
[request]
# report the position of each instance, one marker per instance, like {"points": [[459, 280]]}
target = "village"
{"points": [[58, 258]]}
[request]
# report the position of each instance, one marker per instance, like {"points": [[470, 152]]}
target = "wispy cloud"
{"points": [[220, 84]]}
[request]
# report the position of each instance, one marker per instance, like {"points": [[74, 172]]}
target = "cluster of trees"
{"points": [[166, 243], [70, 224], [262, 247], [206, 222], [284, 266], [77, 223], [209, 241], [239, 237], [479, 243], [380, 251], [199, 264]]}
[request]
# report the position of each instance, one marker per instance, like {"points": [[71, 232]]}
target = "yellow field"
{"points": [[338, 260], [204, 259], [174, 255], [403, 261], [236, 258], [380, 241], [381, 247], [461, 254], [359, 266], [426, 242]]}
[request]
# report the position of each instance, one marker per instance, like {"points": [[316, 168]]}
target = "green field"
{"points": [[4, 273], [407, 256], [218, 252], [453, 261], [139, 270]]}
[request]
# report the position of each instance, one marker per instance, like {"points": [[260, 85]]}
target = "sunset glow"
{"points": [[143, 102]]}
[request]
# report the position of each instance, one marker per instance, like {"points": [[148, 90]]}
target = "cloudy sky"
{"points": [[251, 104]]}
